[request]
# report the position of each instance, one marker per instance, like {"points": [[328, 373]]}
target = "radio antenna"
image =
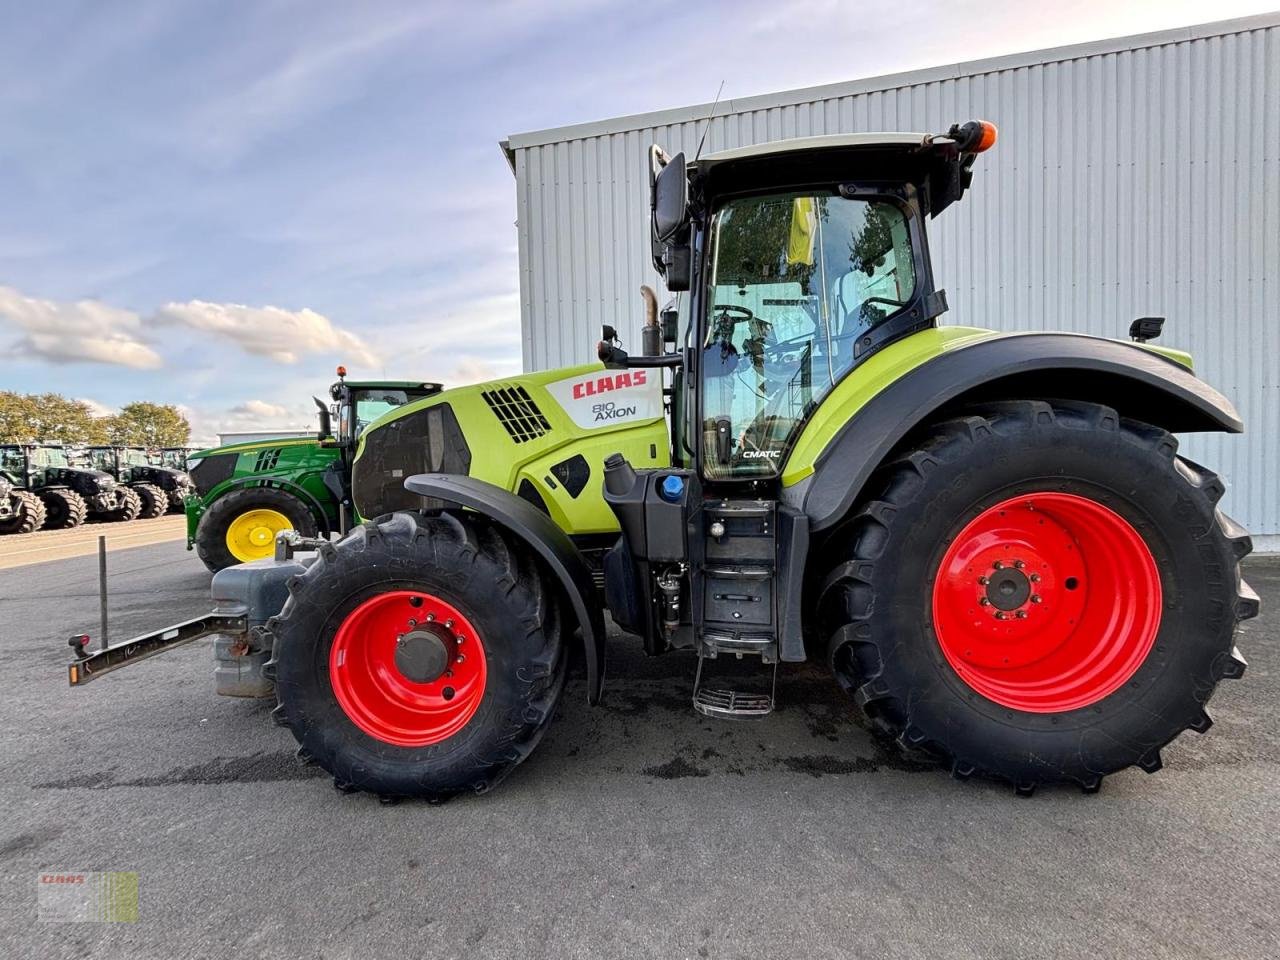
{"points": [[707, 123]]}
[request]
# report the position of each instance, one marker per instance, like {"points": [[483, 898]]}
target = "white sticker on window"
{"points": [[607, 398]]}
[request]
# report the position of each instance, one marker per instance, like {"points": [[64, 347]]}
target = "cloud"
{"points": [[95, 408], [274, 332], [86, 331], [260, 408]]}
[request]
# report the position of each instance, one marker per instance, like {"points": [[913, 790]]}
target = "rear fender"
{"points": [[1138, 383], [552, 545]]}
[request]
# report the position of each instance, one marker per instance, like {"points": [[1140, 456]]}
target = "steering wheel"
{"points": [[732, 309]]}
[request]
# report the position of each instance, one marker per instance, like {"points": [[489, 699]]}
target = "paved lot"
{"points": [[636, 829], [18, 550]]}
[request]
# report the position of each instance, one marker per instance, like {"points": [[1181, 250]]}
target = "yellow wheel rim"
{"points": [[252, 535]]}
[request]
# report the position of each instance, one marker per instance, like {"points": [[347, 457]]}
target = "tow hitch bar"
{"points": [[88, 665]]}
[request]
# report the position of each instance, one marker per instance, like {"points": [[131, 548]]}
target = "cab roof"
{"points": [[394, 385], [829, 142]]}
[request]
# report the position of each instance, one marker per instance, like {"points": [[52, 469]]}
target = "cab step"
{"points": [[727, 704]]}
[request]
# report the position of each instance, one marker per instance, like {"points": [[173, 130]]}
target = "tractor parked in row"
{"points": [[159, 488], [990, 540], [68, 494], [251, 492]]}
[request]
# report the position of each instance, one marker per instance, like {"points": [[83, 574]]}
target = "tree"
{"points": [[142, 424], [45, 417]]}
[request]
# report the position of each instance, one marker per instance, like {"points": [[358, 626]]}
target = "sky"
{"points": [[212, 204]]}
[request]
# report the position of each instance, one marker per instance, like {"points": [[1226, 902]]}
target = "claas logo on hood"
{"points": [[606, 383]]}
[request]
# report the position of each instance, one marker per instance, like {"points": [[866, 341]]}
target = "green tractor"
{"points": [[990, 540], [248, 493], [70, 493], [21, 511], [157, 487], [175, 459]]}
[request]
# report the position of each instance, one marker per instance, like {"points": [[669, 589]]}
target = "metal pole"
{"points": [[102, 586]]}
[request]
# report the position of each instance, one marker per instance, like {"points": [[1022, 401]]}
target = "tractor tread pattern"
{"points": [[847, 600], [28, 515], [466, 549], [154, 501], [65, 509]]}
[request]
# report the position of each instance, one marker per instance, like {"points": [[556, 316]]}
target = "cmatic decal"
{"points": [[604, 398]]}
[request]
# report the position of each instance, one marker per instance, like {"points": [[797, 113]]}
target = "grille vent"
{"points": [[517, 412], [267, 460]]}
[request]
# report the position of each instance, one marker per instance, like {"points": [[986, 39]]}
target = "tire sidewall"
{"points": [[211, 532], [488, 741], [1130, 478]]}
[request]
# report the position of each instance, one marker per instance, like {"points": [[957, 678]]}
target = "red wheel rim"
{"points": [[383, 661], [1047, 602]]}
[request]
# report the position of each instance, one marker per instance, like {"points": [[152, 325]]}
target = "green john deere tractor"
{"points": [[990, 540], [250, 492], [157, 487]]}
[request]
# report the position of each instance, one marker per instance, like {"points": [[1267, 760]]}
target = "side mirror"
{"points": [[669, 196], [326, 424]]}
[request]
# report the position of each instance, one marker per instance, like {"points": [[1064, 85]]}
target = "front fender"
{"points": [[549, 542], [1137, 382]]}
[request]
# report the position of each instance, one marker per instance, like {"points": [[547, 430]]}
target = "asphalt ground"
{"points": [[636, 829], [19, 550]]}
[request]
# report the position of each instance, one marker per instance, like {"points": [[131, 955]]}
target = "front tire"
{"points": [[128, 506], [154, 500], [1039, 592], [241, 526], [355, 647], [65, 509], [28, 514]]}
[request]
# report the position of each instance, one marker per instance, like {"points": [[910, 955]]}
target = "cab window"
{"points": [[795, 279]]}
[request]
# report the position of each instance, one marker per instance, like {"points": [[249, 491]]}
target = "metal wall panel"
{"points": [[1138, 176]]}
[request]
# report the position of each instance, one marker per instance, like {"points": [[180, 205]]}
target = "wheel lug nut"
{"points": [[412, 622], [431, 618], [984, 602], [448, 624], [1036, 598], [983, 581], [1034, 578], [457, 640], [460, 658], [1018, 564], [1022, 614], [998, 565], [1000, 615]]}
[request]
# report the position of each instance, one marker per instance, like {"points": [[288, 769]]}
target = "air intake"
{"points": [[516, 411]]}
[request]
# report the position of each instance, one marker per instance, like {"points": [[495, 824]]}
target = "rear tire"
{"points": [[65, 509], [357, 726], [154, 500], [212, 532], [28, 515], [932, 666], [130, 505]]}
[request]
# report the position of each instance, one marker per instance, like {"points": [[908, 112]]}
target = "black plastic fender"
{"points": [[1138, 383], [552, 544]]}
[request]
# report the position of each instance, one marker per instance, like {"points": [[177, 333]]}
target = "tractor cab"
{"points": [[803, 259], [357, 403]]}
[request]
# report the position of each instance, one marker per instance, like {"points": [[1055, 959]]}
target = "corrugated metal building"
{"points": [[1135, 176]]}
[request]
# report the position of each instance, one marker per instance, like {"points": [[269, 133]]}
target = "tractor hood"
{"points": [[544, 436]]}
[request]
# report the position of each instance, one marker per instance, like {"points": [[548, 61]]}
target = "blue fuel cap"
{"points": [[671, 489]]}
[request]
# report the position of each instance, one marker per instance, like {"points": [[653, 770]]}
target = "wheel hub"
{"points": [[422, 655], [1008, 589]]}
